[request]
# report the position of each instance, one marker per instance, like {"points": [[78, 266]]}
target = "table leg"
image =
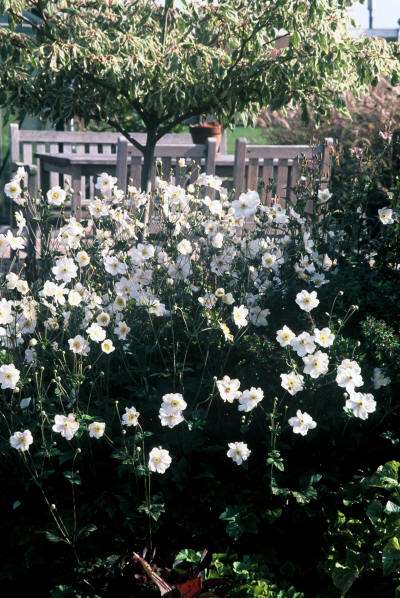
{"points": [[44, 179], [76, 205]]}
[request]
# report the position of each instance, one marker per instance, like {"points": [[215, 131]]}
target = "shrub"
{"points": [[199, 382], [363, 119]]}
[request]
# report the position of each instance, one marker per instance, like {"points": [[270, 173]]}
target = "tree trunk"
{"points": [[148, 160], [147, 175]]}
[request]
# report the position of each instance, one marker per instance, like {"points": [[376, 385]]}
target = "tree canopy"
{"points": [[163, 62]]}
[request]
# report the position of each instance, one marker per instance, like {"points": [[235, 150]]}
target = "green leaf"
{"points": [[386, 476], [52, 537], [154, 510], [73, 477], [276, 460], [392, 507], [85, 531], [343, 577], [187, 555], [391, 556], [374, 511], [295, 39]]}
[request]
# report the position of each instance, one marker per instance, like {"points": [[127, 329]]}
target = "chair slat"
{"points": [[239, 168], [267, 177], [80, 149], [275, 170], [135, 171], [292, 179], [166, 167], [56, 148], [27, 154], [252, 175], [282, 181]]}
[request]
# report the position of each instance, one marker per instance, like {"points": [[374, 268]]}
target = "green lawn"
{"points": [[255, 135]]}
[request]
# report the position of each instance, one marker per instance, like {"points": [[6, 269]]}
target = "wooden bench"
{"points": [[274, 169]]}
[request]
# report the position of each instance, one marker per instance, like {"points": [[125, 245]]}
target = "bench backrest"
{"points": [[274, 169]]}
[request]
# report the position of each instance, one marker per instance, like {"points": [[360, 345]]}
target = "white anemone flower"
{"points": [[96, 429], [307, 301], [96, 333], [13, 189], [159, 460], [303, 344], [6, 315], [174, 402], [302, 423], [292, 382], [185, 247], [385, 215], [130, 417], [316, 365], [67, 426], [250, 399], [82, 259], [107, 346], [285, 336], [361, 404], [21, 441], [106, 183], [238, 452], [229, 389], [170, 418], [349, 375], [324, 337], [15, 243], [247, 204], [9, 376], [379, 379], [65, 269], [122, 330], [56, 196], [240, 316], [79, 345]]}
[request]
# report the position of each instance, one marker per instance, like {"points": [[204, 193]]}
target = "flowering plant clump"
{"points": [[146, 351]]}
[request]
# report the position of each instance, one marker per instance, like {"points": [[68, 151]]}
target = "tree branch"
{"points": [[129, 137], [24, 19]]}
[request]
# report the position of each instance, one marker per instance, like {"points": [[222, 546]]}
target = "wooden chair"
{"points": [[256, 166], [200, 158]]}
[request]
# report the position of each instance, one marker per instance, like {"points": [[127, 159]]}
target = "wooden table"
{"points": [[87, 165], [76, 166]]}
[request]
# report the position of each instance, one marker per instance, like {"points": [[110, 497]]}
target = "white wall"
{"points": [[386, 13]]}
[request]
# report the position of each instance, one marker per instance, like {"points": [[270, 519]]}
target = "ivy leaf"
{"points": [[154, 510]]}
